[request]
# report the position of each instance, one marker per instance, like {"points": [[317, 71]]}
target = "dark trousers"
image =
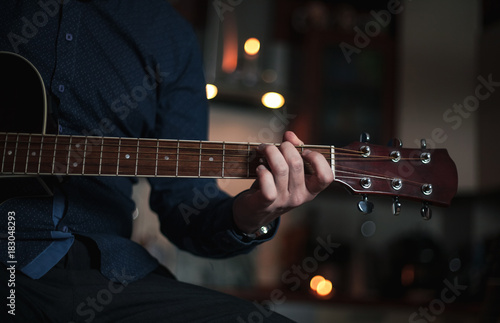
{"points": [[75, 291]]}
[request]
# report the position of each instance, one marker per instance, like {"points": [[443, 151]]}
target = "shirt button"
{"points": [[60, 129], [69, 37], [61, 88], [65, 229]]}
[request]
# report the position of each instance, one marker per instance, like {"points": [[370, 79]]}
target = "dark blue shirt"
{"points": [[123, 69]]}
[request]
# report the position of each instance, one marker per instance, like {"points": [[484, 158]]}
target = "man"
{"points": [[131, 69]]}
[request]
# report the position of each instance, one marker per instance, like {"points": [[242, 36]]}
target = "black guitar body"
{"points": [[23, 109]]}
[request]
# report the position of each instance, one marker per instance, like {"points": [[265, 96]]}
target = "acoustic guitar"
{"points": [[29, 155]]}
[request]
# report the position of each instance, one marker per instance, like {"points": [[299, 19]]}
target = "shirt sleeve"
{"points": [[194, 213]]}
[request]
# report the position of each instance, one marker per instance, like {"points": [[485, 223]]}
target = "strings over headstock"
{"points": [[422, 174]]}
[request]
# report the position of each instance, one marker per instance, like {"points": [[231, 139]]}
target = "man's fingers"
{"points": [[277, 164], [295, 167], [292, 137], [323, 174], [268, 191]]}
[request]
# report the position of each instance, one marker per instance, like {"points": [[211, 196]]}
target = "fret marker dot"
{"points": [[211, 159], [77, 145], [75, 164], [167, 158], [9, 152], [33, 154], [127, 156]]}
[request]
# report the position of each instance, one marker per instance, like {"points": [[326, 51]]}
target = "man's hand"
{"points": [[283, 187]]}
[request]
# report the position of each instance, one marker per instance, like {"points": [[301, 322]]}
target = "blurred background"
{"points": [[332, 70]]}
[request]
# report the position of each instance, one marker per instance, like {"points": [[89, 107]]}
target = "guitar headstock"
{"points": [[422, 174]]}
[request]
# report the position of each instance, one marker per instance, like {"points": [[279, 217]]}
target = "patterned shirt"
{"points": [[118, 69]]}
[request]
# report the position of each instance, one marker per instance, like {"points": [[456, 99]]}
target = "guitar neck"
{"points": [[36, 154]]}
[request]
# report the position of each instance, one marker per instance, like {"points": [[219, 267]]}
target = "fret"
{"points": [[32, 155], [177, 160], [3, 155], [235, 160], [223, 158], [157, 152], [332, 160], [47, 155], [91, 161], [21, 150], [40, 154], [4, 152], [110, 156], [211, 159], [84, 155], [69, 153], [27, 155], [54, 157], [137, 157], [76, 155], [8, 157], [61, 155], [199, 161], [188, 158], [248, 160], [167, 158], [15, 155], [127, 161], [100, 159], [118, 159], [147, 157]]}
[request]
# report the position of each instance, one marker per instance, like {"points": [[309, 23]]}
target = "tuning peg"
{"points": [[365, 137], [426, 211], [395, 142], [365, 206], [423, 144], [396, 206]]}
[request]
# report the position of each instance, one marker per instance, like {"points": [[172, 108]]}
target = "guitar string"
{"points": [[213, 170], [174, 143], [247, 162], [243, 152], [65, 153]]}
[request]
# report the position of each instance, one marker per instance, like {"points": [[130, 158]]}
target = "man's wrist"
{"points": [[261, 232]]}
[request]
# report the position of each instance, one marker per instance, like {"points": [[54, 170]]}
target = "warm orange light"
{"points": [[324, 288], [273, 100], [211, 91], [315, 281], [407, 275], [230, 45], [252, 46]]}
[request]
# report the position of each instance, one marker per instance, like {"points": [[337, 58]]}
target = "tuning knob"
{"points": [[426, 211], [365, 137], [395, 142], [396, 206], [365, 206], [423, 144]]}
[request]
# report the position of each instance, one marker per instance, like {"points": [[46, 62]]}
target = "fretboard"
{"points": [[36, 154]]}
